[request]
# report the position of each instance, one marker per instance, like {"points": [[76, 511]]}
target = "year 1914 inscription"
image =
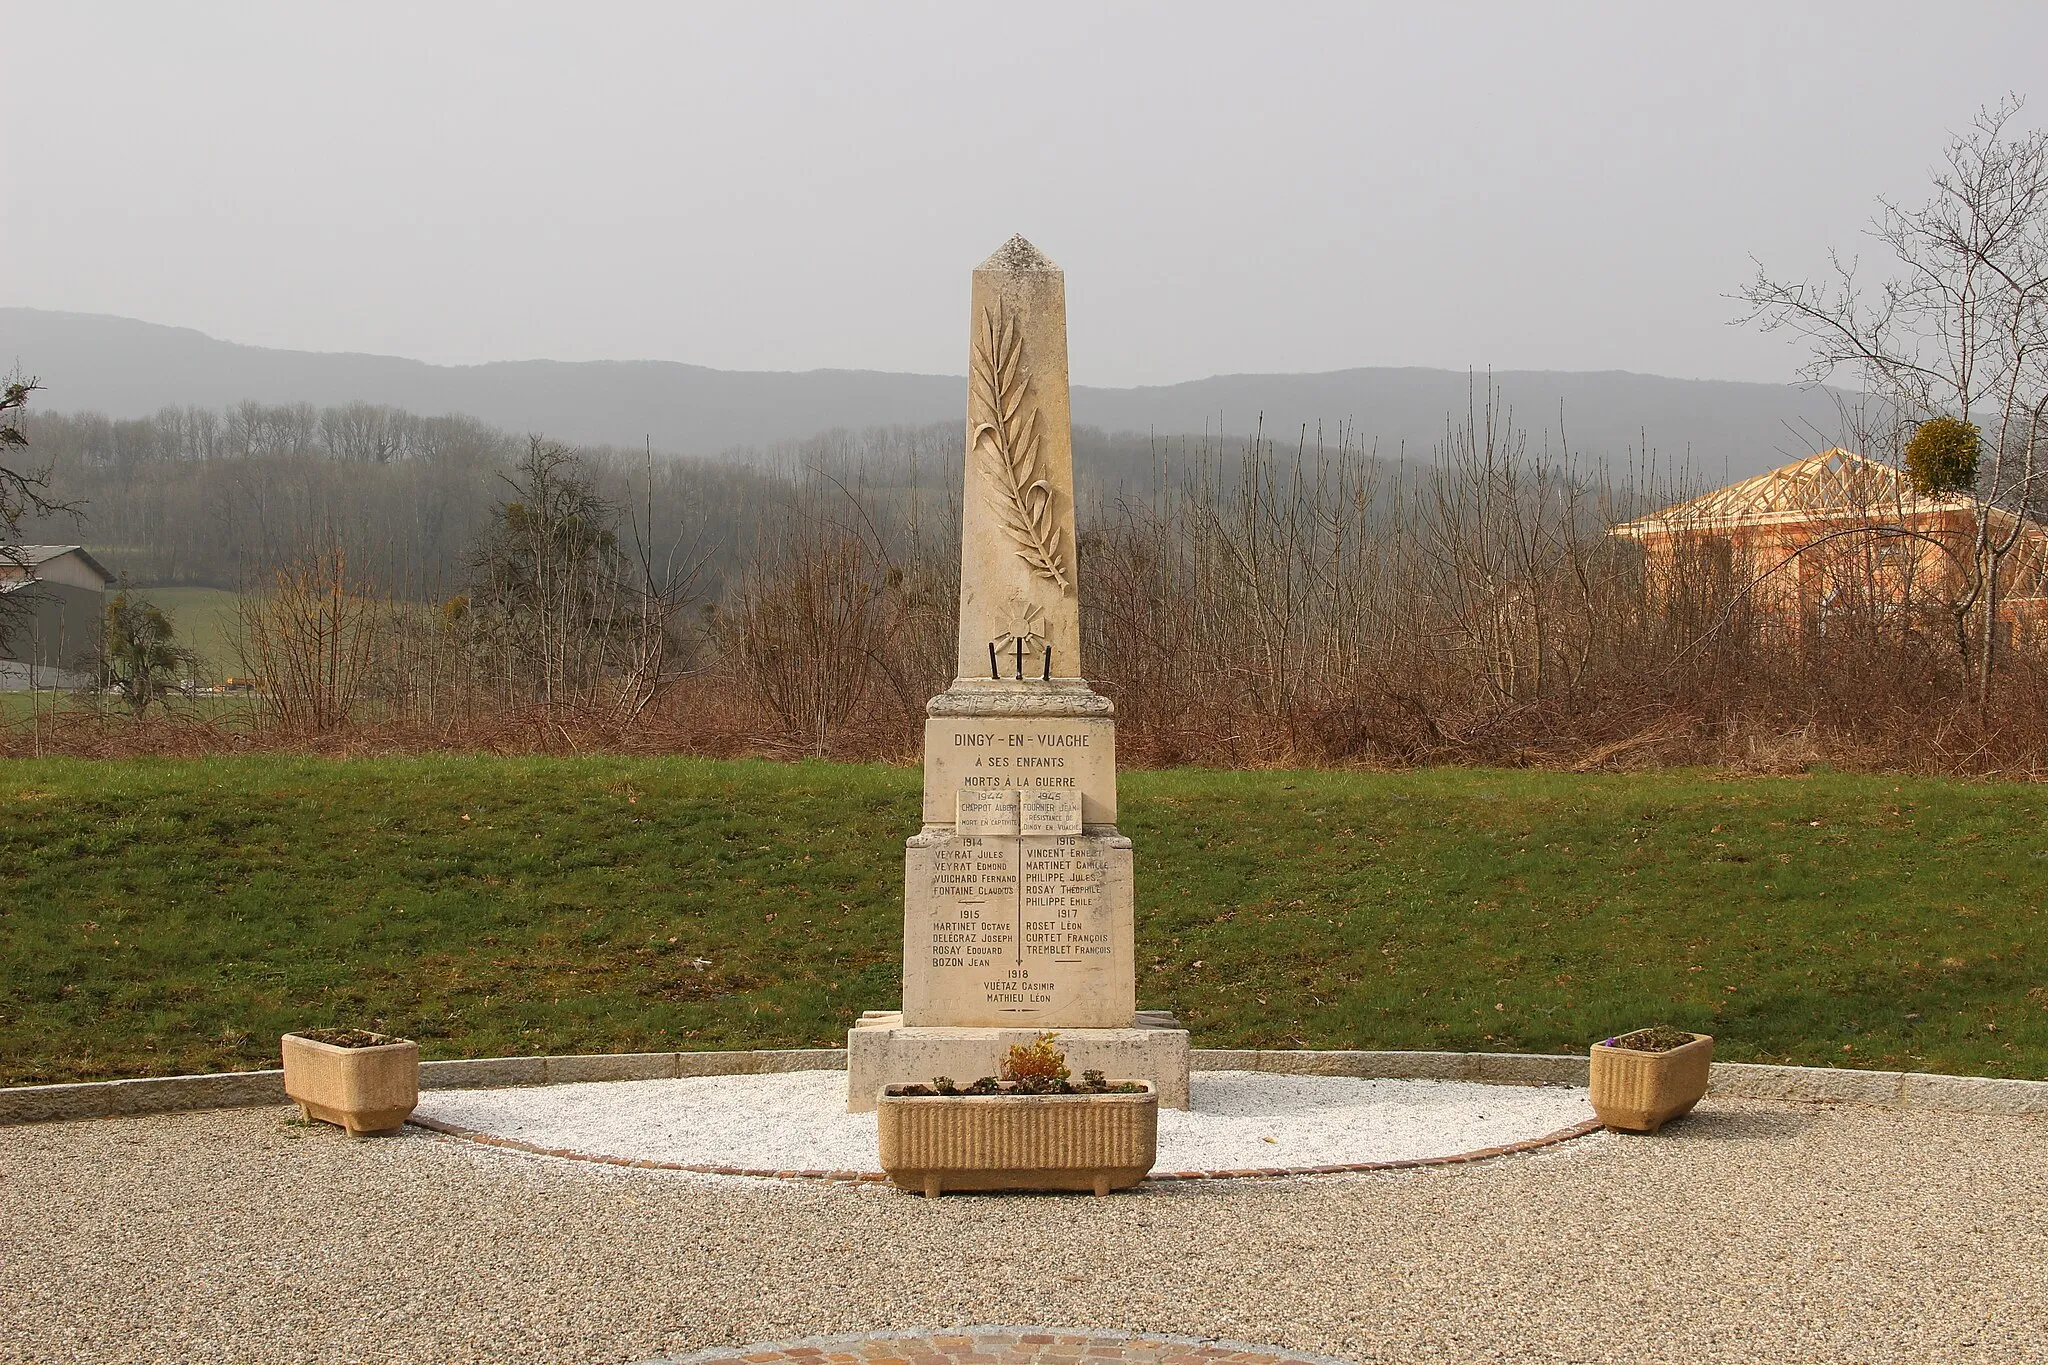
{"points": [[973, 887], [1018, 922]]}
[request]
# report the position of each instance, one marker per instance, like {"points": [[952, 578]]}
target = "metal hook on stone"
{"points": [[1046, 676], [993, 672]]}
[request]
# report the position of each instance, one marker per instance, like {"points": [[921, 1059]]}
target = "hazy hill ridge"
{"points": [[124, 368]]}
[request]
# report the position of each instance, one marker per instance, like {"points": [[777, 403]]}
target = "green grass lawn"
{"points": [[172, 916], [22, 708], [202, 620]]}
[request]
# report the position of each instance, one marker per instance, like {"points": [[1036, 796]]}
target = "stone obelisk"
{"points": [[1017, 906]]}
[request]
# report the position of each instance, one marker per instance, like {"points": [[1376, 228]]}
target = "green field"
{"points": [[172, 916], [22, 708], [202, 620]]}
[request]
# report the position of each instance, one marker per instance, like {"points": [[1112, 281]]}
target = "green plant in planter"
{"points": [[1034, 1068], [1037, 1067]]}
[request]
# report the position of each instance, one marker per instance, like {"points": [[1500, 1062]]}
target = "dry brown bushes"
{"points": [[1318, 606]]}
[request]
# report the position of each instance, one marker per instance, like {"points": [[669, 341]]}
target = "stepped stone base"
{"points": [[881, 1051]]}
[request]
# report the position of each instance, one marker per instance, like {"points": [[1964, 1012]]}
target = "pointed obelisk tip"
{"points": [[1017, 254]]}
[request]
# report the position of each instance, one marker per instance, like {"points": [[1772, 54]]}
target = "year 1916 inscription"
{"points": [[1064, 880], [1018, 901], [1013, 929]]}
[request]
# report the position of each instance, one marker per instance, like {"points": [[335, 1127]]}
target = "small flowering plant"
{"points": [[1033, 1068], [1037, 1067]]}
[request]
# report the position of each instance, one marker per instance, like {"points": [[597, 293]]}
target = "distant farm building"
{"points": [[1836, 535], [54, 611]]}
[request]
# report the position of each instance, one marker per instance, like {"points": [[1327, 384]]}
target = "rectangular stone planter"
{"points": [[931, 1144], [1640, 1092], [363, 1089]]}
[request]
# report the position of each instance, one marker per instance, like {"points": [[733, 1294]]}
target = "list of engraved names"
{"points": [[1019, 913]]}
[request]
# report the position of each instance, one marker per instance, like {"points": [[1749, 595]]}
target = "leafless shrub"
{"points": [[841, 629], [1319, 604], [309, 634]]}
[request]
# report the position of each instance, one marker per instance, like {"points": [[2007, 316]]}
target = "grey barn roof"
{"points": [[31, 555]]}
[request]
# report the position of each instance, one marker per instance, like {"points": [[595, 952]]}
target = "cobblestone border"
{"points": [[947, 1344], [1577, 1130], [1735, 1080]]}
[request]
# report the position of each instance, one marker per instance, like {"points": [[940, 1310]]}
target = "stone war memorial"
{"points": [[1018, 891]]}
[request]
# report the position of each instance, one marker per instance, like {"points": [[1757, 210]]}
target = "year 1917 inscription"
{"points": [[1013, 929], [1065, 881]]}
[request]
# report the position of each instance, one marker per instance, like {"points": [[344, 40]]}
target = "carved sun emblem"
{"points": [[1026, 622]]}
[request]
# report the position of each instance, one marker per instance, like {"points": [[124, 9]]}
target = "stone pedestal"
{"points": [[881, 1051]]}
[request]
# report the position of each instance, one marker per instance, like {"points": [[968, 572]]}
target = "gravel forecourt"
{"points": [[1751, 1231]]}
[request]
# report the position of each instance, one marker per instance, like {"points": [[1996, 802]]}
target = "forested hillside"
{"points": [[127, 369]]}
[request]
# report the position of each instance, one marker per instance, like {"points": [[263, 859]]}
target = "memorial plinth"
{"points": [[1017, 906]]}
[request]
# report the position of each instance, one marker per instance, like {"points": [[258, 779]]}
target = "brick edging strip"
{"points": [[838, 1343], [1577, 1130], [1910, 1090], [640, 1163]]}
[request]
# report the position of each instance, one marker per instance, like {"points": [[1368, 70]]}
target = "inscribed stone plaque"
{"points": [[980, 812], [967, 919], [1029, 753], [1030, 931], [1048, 812]]}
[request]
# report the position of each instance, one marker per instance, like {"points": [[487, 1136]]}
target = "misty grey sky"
{"points": [[775, 186]]}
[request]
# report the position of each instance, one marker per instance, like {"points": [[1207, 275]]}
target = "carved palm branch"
{"points": [[1008, 437]]}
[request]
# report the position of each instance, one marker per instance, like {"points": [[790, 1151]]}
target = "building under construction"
{"points": [[1838, 536]]}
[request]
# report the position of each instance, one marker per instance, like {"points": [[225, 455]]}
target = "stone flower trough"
{"points": [[364, 1082], [1640, 1088], [1013, 1140]]}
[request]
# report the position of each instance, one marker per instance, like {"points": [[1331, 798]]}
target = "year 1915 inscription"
{"points": [[973, 890], [1014, 902], [1014, 929]]}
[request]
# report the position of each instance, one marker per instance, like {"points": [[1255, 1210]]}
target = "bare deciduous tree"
{"points": [[1957, 327], [24, 489], [566, 616]]}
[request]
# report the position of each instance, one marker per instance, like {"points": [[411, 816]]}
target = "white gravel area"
{"points": [[798, 1120]]}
